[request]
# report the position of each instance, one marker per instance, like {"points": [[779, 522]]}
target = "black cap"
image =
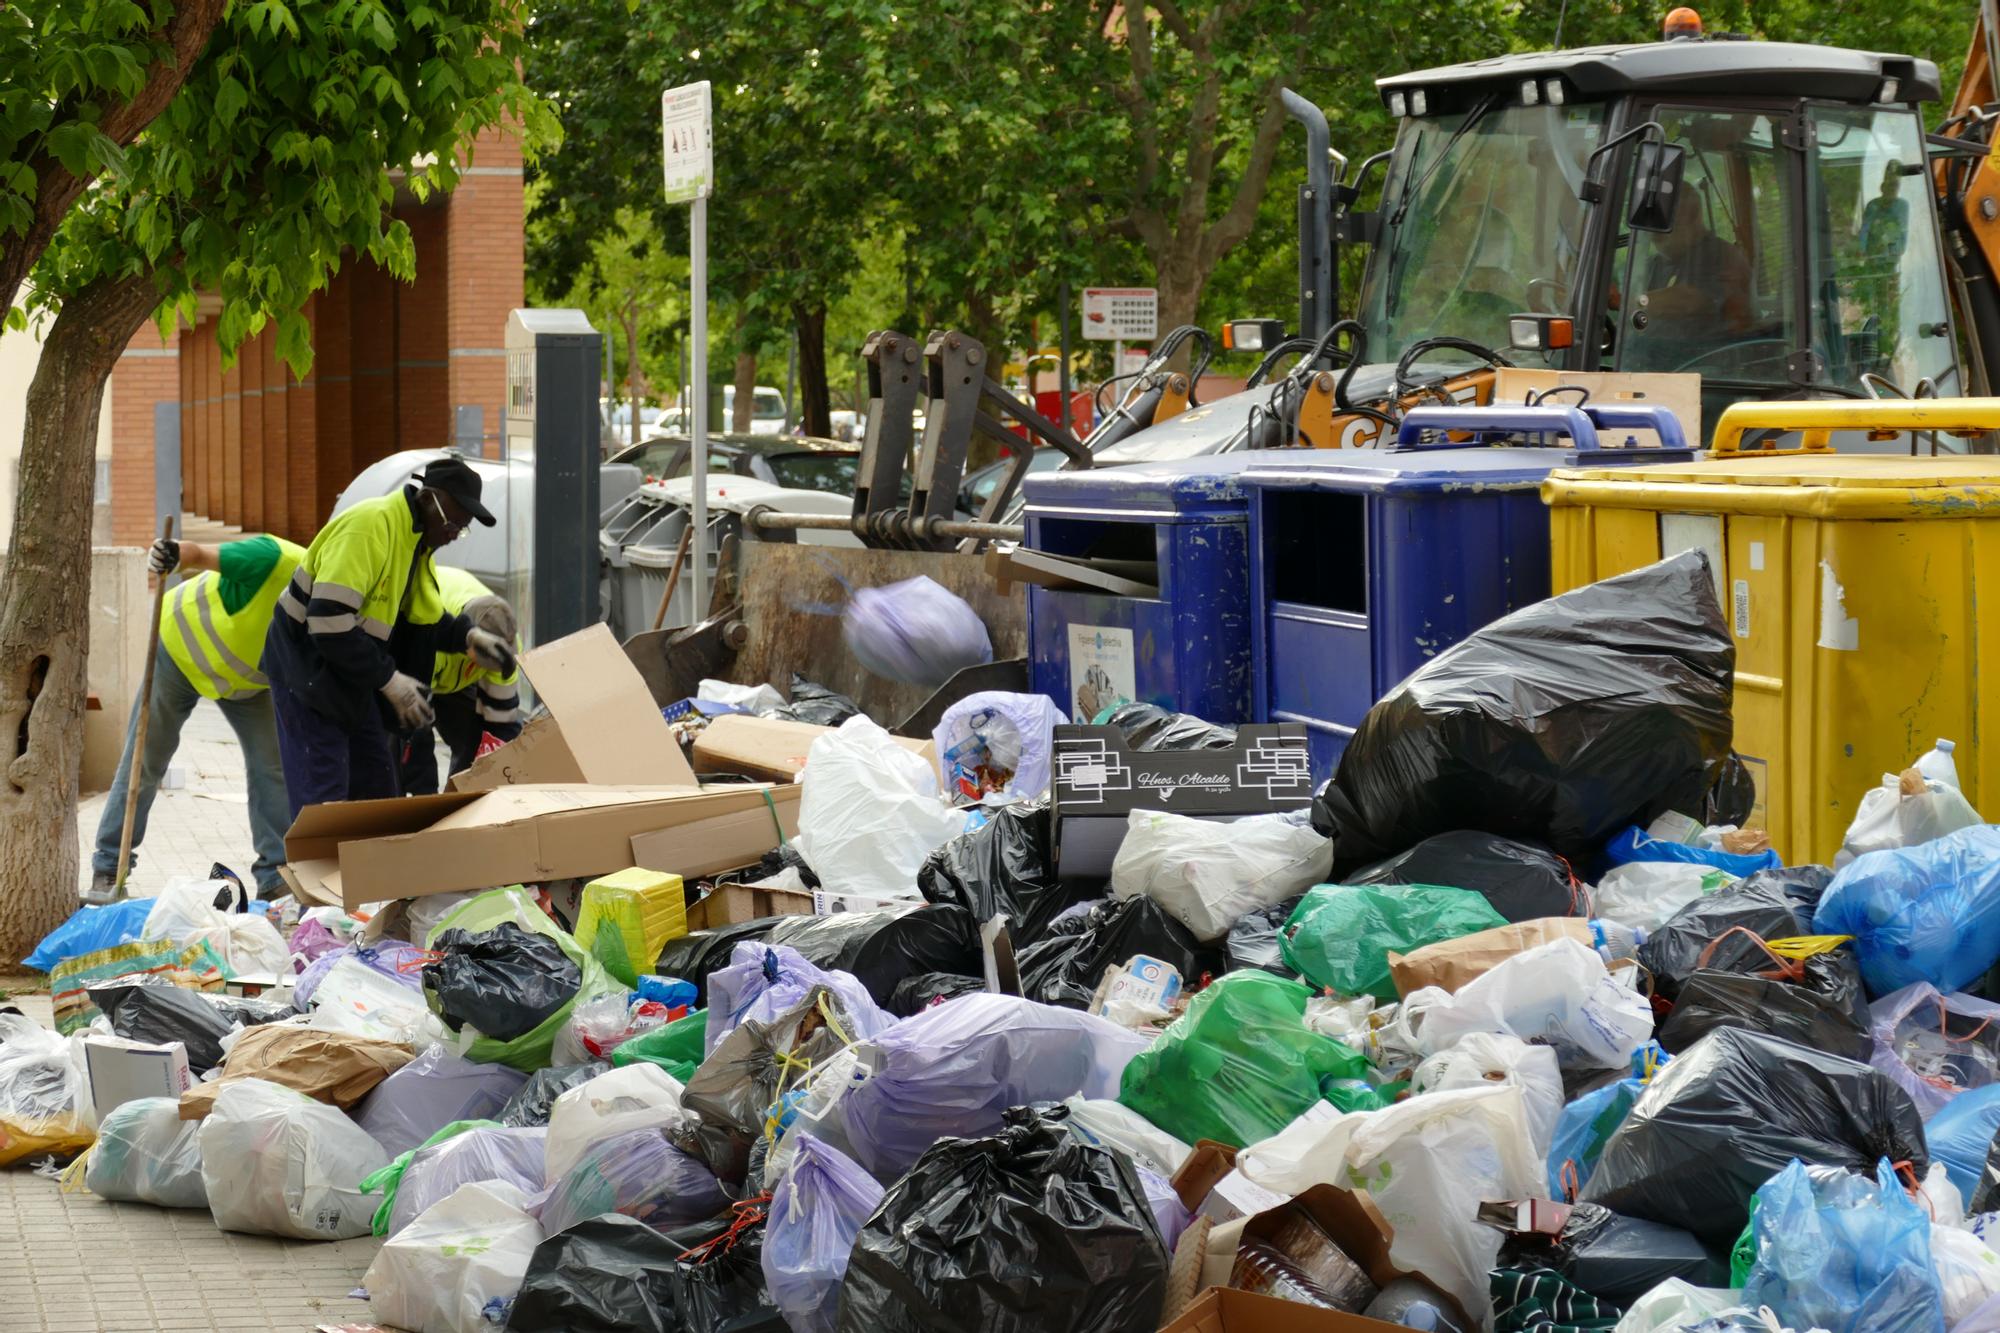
{"points": [[455, 477]]}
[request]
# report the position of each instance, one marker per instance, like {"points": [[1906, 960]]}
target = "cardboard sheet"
{"points": [[769, 748]]}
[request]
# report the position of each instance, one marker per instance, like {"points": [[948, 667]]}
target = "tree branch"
{"points": [[1170, 14], [1234, 225]]}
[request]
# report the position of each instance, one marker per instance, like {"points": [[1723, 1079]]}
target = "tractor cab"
{"points": [[1754, 212]]}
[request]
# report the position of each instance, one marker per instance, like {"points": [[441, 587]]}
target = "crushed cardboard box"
{"points": [[769, 748]]}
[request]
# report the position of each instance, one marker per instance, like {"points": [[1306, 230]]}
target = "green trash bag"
{"points": [[1358, 1094], [1744, 1252], [528, 1052], [676, 1048], [389, 1177], [1340, 936], [1239, 1065]]}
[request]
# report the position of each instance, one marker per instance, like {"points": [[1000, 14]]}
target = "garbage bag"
{"points": [[353, 997], [730, 1097], [1239, 1065], [1170, 1215], [1804, 886], [89, 929], [162, 1014], [817, 1209], [1712, 999], [1890, 817], [1340, 935], [1253, 940], [1207, 874], [1563, 722], [531, 1105], [598, 1027], [456, 1268], [1031, 1229], [275, 1162], [915, 632], [1614, 1258], [814, 703], [1589, 1121], [882, 947], [871, 812], [641, 1096], [1004, 867], [331, 1067], [1935, 1046], [145, 1153], [470, 1152], [1065, 968], [1645, 895], [1968, 1278], [44, 1100], [321, 930], [1757, 909], [1149, 728], [1450, 964], [1558, 994], [1524, 881], [1960, 1135], [953, 1071], [1119, 1127], [1635, 844], [508, 978], [921, 990], [1730, 1112], [195, 966], [429, 1093], [766, 979], [719, 1281], [638, 1173], [611, 1274], [677, 1047], [995, 743], [1928, 913], [697, 954], [1484, 1059], [1844, 1253], [191, 911], [398, 960]]}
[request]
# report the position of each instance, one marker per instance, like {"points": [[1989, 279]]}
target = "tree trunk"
{"points": [[631, 330], [746, 392], [44, 618], [816, 397], [1180, 296]]}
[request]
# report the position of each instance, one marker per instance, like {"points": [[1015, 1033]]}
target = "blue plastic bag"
{"points": [[817, 1210], [1924, 913], [1634, 845], [1587, 1123], [90, 929], [1961, 1133], [1838, 1252]]}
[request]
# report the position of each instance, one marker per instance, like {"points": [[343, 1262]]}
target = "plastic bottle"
{"points": [[1615, 940], [1939, 766]]}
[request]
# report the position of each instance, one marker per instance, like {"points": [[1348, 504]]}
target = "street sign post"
{"points": [[688, 147], [1119, 315]]}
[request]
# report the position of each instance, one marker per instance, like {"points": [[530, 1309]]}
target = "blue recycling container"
{"points": [[1365, 564]]}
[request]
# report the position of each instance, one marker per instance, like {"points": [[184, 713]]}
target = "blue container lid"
{"points": [[1391, 471], [1210, 486]]}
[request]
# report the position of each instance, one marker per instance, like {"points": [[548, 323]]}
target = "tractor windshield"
{"points": [[1480, 221]]}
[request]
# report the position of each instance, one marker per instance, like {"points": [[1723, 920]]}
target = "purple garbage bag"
{"points": [[430, 1092], [513, 1156], [916, 632], [952, 1070], [311, 938], [399, 960], [763, 981], [639, 1174], [1169, 1213], [817, 1210]]}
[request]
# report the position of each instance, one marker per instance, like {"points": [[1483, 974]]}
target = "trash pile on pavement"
{"points": [[1517, 1024]]}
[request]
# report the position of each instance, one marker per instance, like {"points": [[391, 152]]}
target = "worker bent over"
{"points": [[357, 633], [471, 701]]}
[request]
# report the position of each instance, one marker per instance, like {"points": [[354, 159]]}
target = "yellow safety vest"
{"points": [[217, 650], [367, 559], [457, 671]]}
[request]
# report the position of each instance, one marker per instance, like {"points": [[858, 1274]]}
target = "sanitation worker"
{"points": [[472, 702]]}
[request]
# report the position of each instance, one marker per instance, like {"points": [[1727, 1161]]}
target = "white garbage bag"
{"points": [[1001, 732], [1645, 895], [277, 1163], [459, 1266], [750, 698], [1207, 874], [1905, 811], [639, 1096], [1968, 1272], [145, 1153], [1674, 1305], [1558, 994], [1118, 1126], [356, 999], [917, 632], [1487, 1059], [871, 812], [186, 912]]}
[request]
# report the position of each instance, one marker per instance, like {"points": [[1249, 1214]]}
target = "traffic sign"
{"points": [[1121, 314]]}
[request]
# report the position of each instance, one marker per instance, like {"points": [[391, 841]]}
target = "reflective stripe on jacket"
{"points": [[220, 652]]}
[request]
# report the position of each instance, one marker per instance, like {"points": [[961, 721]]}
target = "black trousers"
{"points": [[458, 723]]}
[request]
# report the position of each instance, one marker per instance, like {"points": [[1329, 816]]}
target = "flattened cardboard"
{"points": [[609, 723], [539, 756], [728, 904], [1226, 1310], [1122, 578], [769, 748], [729, 839]]}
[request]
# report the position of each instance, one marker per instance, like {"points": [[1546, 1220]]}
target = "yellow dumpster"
{"points": [[1851, 583]]}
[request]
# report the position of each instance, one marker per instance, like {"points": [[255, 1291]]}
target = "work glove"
{"points": [[492, 613], [490, 651], [409, 701], [165, 555]]}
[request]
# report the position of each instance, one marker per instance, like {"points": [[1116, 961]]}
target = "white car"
{"points": [[767, 414]]}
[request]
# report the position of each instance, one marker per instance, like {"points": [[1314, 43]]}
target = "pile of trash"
{"points": [[1518, 1024]]}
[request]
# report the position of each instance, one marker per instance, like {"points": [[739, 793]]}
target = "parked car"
{"points": [[767, 412], [980, 483], [795, 462]]}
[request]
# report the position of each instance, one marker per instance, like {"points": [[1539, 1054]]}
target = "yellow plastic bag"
{"points": [[628, 916], [40, 1087]]}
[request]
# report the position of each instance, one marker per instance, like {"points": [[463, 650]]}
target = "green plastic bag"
{"points": [[1239, 1065], [1358, 1094], [676, 1048], [528, 1052], [1340, 936], [1744, 1253], [391, 1176]]}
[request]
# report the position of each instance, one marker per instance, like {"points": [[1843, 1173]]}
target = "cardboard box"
{"points": [[769, 748], [1098, 782], [349, 853], [1226, 1310], [728, 904], [121, 1071]]}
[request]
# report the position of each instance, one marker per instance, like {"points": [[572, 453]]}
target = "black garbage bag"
{"points": [[881, 948], [815, 703], [611, 1274], [529, 1106], [719, 1282], [1754, 909], [914, 994], [1986, 1194], [1710, 1000], [1563, 722], [1253, 940], [729, 1095], [504, 981], [1029, 1231], [692, 956], [1615, 1258], [1524, 881], [777, 861], [1732, 1111], [1065, 968], [160, 1014], [1733, 795], [1802, 885], [1005, 866], [1149, 728]]}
